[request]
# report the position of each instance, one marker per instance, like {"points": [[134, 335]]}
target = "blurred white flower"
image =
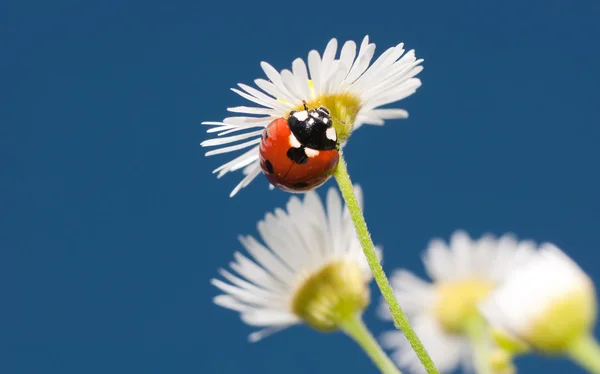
{"points": [[442, 312], [348, 85], [312, 269], [548, 302]]}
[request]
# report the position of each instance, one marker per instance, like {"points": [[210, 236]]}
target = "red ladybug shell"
{"points": [[290, 166]]}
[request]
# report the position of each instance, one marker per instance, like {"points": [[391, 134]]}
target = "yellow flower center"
{"points": [[331, 295], [457, 302], [563, 322]]}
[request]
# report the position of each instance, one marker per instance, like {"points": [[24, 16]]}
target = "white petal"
{"points": [[241, 294], [292, 85], [270, 103], [314, 66], [250, 175], [414, 294], [461, 248], [230, 302], [230, 139], [309, 235], [301, 76], [261, 334], [233, 147], [259, 291], [389, 113], [279, 234], [377, 67], [239, 162], [265, 258], [347, 56], [446, 350], [396, 81], [436, 258], [395, 94], [266, 317], [360, 65], [251, 271], [368, 119], [327, 68], [316, 216], [251, 110], [263, 97], [262, 125], [334, 213], [275, 77], [278, 92]]}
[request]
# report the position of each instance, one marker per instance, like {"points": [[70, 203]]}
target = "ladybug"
{"points": [[299, 153]]}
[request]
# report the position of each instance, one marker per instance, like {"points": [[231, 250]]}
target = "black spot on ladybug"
{"points": [[300, 185], [265, 134], [269, 166], [297, 155]]}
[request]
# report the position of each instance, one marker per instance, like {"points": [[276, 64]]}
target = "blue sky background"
{"points": [[111, 224]]}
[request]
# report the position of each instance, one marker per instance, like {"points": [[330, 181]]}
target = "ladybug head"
{"points": [[313, 128]]}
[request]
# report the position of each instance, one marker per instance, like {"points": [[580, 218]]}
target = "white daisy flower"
{"points": [[350, 86], [442, 312], [311, 269], [549, 302]]}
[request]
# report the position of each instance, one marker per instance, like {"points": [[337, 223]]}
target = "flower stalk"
{"points": [[477, 331], [585, 351], [358, 331], [399, 317]]}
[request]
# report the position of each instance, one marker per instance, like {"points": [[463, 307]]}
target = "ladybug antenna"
{"points": [[339, 120], [305, 105]]}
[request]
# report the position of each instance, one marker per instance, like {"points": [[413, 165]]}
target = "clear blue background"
{"points": [[111, 224]]}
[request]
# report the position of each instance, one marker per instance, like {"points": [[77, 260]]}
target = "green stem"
{"points": [[356, 329], [400, 320], [586, 352], [476, 330]]}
